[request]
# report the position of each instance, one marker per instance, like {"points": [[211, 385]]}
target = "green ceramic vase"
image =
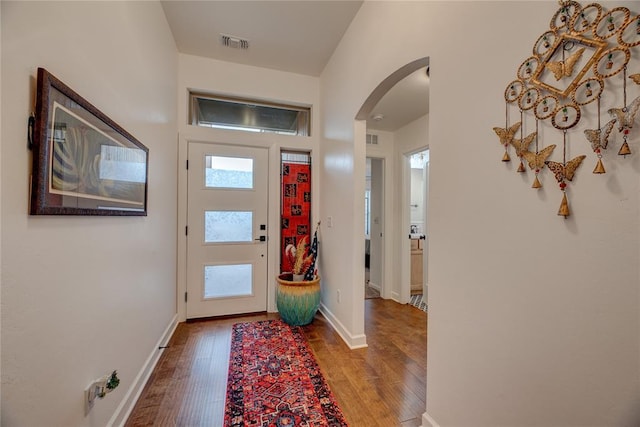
{"points": [[297, 302]]}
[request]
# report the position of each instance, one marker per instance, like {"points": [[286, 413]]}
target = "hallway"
{"points": [[382, 385]]}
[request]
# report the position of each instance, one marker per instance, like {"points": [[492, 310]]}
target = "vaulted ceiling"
{"points": [[294, 36]]}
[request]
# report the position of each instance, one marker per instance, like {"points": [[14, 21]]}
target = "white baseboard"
{"points": [[427, 421], [395, 296], [375, 286], [123, 411], [352, 341]]}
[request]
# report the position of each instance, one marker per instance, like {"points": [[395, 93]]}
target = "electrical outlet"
{"points": [[329, 221], [89, 399], [93, 392], [98, 389], [338, 295]]}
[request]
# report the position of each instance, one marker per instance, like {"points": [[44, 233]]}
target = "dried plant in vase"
{"points": [[300, 258], [298, 291]]}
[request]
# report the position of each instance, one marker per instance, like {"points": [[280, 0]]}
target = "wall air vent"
{"points": [[234, 42], [372, 139]]}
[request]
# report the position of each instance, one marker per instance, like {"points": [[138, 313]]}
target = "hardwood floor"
{"points": [[381, 385]]}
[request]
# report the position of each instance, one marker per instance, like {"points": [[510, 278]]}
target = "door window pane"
{"points": [[228, 172], [228, 226], [228, 280]]}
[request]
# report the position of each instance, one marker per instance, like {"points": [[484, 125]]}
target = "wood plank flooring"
{"points": [[381, 385]]}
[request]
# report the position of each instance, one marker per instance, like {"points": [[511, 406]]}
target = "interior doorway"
{"points": [[374, 228], [418, 202], [396, 115]]}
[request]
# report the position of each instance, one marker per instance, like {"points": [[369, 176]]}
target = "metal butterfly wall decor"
{"points": [[522, 145], [506, 136], [565, 67], [537, 161], [625, 116], [565, 78], [599, 139], [565, 171]]}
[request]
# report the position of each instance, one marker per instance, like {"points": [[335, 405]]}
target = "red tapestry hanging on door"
{"points": [[296, 207]]}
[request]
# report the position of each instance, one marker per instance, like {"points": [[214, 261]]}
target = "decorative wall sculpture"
{"points": [[572, 62]]}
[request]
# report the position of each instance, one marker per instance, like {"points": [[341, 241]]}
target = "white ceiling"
{"points": [[295, 36], [405, 102]]}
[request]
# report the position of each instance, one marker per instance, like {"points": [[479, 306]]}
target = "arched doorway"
{"points": [[404, 93]]}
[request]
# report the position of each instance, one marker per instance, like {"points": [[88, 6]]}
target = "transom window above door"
{"points": [[248, 115]]}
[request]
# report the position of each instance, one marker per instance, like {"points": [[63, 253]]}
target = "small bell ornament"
{"points": [[536, 183], [599, 167], [624, 149], [564, 207]]}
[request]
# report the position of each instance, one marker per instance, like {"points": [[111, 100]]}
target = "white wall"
{"points": [[83, 296], [533, 319], [224, 78]]}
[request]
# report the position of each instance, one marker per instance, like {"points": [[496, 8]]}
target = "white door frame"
{"points": [[381, 247], [405, 224], [389, 200], [275, 143], [425, 248]]}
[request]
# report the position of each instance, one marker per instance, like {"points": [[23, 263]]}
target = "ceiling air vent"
{"points": [[234, 42], [372, 139]]}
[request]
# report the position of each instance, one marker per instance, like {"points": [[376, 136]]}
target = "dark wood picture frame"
{"points": [[83, 162]]}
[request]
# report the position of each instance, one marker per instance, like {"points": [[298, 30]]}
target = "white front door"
{"points": [[227, 230]]}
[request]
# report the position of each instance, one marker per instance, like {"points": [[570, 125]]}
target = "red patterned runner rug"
{"points": [[275, 381]]}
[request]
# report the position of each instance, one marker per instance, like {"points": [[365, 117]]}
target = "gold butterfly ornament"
{"points": [[564, 68], [522, 145], [536, 162], [562, 172], [625, 117], [599, 139], [506, 136]]}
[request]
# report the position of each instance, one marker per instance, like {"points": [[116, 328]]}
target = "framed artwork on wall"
{"points": [[83, 162]]}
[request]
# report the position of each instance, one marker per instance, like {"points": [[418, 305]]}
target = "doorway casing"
{"points": [[274, 143], [395, 234]]}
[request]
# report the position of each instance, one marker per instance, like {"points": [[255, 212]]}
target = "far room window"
{"points": [[247, 115]]}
